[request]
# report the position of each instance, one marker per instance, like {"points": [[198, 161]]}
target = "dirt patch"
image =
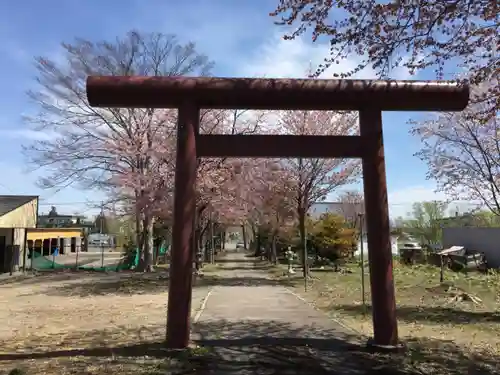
{"points": [[58, 324]]}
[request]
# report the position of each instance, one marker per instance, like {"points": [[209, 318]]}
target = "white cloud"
{"points": [[18, 181], [279, 58], [15, 51], [32, 135], [401, 201], [415, 194], [21, 182]]}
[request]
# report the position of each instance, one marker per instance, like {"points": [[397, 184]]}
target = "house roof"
{"points": [[9, 203], [61, 216]]}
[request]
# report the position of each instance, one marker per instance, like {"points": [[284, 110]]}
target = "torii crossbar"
{"points": [[369, 97]]}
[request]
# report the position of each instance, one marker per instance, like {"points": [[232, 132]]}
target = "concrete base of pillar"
{"points": [[376, 348]]}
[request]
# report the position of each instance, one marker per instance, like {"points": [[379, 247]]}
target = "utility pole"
{"points": [[306, 271], [212, 240], [101, 228], [194, 244], [362, 256], [119, 230], [303, 199], [302, 193]]}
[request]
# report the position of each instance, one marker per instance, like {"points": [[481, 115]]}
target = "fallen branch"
{"points": [[463, 296], [460, 295], [454, 293]]}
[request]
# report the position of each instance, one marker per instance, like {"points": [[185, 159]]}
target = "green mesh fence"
{"points": [[43, 263], [160, 252]]}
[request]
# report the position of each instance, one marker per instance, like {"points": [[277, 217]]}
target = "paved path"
{"points": [[254, 325]]}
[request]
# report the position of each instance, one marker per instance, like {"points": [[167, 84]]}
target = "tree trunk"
{"points": [[161, 245], [199, 239], [258, 251], [244, 233], [195, 241], [147, 259], [150, 252], [251, 245], [138, 232], [274, 254], [302, 230], [212, 243], [199, 246]]}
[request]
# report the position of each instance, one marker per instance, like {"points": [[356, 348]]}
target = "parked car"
{"points": [[240, 245], [99, 243], [411, 252], [459, 258]]}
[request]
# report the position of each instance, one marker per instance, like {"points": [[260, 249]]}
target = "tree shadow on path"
{"points": [[247, 347], [247, 260], [144, 283], [110, 284], [250, 281], [433, 314], [242, 347]]}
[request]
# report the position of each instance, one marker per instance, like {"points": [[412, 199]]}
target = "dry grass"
{"points": [[84, 323], [425, 309]]}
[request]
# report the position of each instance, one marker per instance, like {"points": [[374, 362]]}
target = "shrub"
{"points": [[333, 240]]}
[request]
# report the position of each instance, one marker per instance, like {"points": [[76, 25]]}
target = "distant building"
{"points": [[18, 214], [470, 219], [55, 220], [54, 241]]}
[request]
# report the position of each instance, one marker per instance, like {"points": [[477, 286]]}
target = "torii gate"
{"points": [[368, 97]]}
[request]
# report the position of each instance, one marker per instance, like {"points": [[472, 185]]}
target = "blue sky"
{"points": [[239, 36]]}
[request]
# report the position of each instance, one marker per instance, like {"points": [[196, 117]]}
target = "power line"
{"points": [[98, 203], [6, 187]]}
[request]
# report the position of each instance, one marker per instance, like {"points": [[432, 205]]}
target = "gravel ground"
{"points": [[52, 321]]}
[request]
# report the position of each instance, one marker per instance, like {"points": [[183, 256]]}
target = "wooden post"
{"points": [[385, 327], [441, 270], [212, 240], [362, 251], [181, 260]]}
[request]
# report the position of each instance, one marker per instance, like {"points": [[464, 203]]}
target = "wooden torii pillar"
{"points": [[370, 98]]}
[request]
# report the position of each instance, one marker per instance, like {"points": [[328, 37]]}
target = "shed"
{"points": [[17, 214]]}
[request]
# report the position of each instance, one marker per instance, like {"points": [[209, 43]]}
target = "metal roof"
{"points": [[9, 203]]}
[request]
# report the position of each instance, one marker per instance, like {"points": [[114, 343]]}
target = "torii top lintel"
{"points": [[258, 93]]}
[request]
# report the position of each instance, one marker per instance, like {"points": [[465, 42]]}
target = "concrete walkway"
{"points": [[253, 325]]}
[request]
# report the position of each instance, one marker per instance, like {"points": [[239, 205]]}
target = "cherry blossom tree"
{"points": [[352, 204], [314, 179], [462, 152], [413, 34], [271, 196], [142, 174], [95, 148], [215, 186], [218, 184], [245, 208]]}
